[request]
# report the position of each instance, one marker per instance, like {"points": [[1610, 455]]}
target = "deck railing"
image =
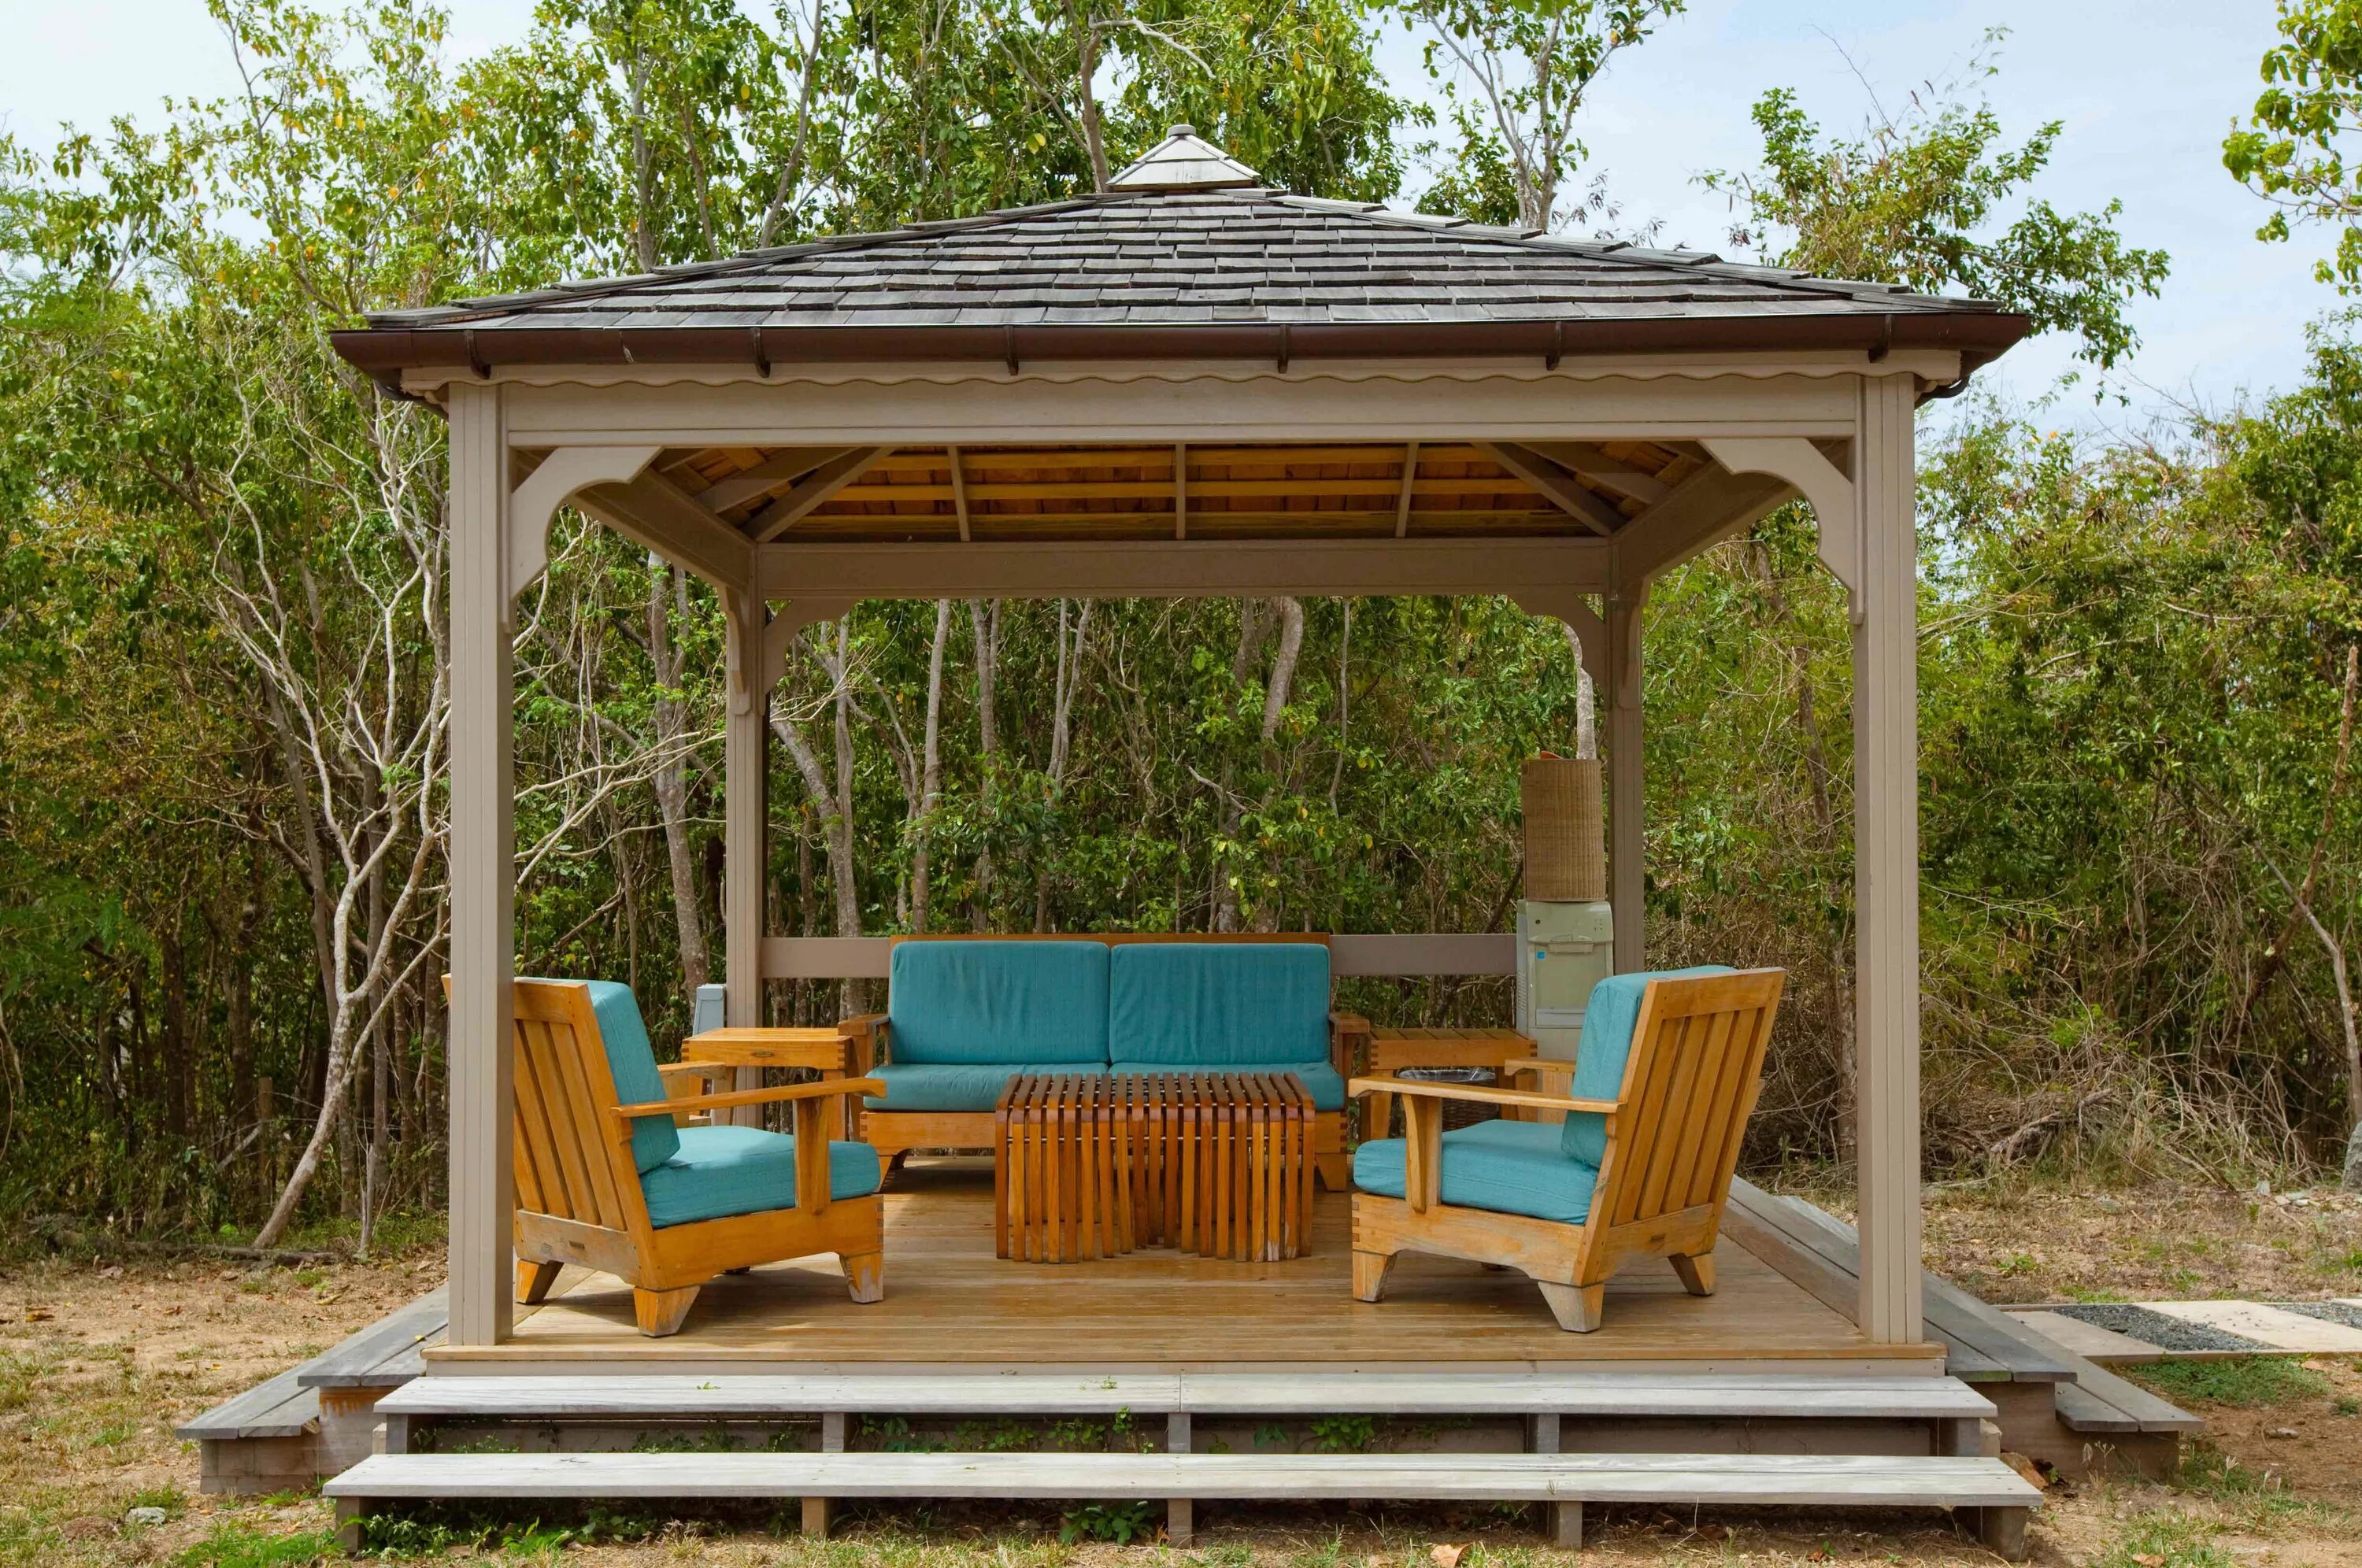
{"points": [[1417, 954]]}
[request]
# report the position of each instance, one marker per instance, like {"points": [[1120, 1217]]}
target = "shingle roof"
{"points": [[1243, 272]]}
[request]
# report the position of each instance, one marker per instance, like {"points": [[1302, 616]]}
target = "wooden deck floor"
{"points": [[950, 1302]]}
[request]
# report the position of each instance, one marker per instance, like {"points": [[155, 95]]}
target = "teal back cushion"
{"points": [[632, 1061], [1606, 1046], [1024, 1002], [1218, 1004]]}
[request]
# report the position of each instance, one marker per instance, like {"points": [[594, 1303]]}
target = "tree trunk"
{"points": [[985, 617], [930, 774], [836, 806], [672, 775]]}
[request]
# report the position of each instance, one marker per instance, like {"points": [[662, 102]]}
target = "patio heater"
{"points": [[1565, 924]]}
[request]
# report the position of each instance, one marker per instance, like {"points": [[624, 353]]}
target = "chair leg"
{"points": [[1697, 1273], [1335, 1171], [865, 1273], [1370, 1271], [1576, 1307], [660, 1312], [533, 1278]]}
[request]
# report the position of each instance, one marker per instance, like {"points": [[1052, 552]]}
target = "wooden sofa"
{"points": [[943, 1075]]}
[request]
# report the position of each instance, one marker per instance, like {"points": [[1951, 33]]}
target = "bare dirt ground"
{"points": [[100, 1360]]}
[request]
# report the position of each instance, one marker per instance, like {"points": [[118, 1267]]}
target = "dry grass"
{"points": [[96, 1364]]}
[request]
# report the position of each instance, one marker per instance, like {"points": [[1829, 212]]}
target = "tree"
{"points": [[2292, 150], [1529, 64], [1914, 201]]}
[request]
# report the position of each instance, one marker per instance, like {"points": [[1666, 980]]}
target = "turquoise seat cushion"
{"points": [[632, 1062], [957, 1085], [1324, 1083], [1605, 1045], [1182, 1005], [1509, 1167], [721, 1171], [998, 1001]]}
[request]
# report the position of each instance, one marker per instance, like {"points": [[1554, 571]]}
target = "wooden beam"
{"points": [[822, 483], [1170, 568], [1590, 463], [959, 491], [1709, 505], [779, 469], [1556, 484], [659, 513], [1409, 481]]}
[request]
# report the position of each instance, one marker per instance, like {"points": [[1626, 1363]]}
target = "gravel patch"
{"points": [[2155, 1327], [2327, 1311]]}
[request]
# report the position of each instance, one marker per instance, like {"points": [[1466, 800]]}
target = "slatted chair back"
{"points": [[573, 1161], [1690, 1083]]}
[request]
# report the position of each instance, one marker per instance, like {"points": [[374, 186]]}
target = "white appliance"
{"points": [[1563, 950]]}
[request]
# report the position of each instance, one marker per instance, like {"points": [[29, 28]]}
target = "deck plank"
{"points": [[1804, 1480], [386, 1355], [281, 1408], [949, 1301], [1205, 1394]]}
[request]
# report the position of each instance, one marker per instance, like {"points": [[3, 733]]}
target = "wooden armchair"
{"points": [[618, 1185], [1643, 1172]]}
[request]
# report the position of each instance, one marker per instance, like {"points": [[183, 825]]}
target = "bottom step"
{"points": [[1679, 1479]]}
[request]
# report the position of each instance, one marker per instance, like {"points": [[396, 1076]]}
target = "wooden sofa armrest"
{"points": [[1349, 1042], [867, 1034], [1478, 1094], [706, 1072], [748, 1097]]}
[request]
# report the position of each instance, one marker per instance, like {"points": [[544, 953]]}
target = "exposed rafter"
{"points": [[817, 487], [1555, 483], [1402, 500], [779, 469], [959, 489], [1596, 467]]}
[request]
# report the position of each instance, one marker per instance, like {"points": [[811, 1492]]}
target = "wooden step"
{"points": [[1736, 1396], [1679, 1480]]}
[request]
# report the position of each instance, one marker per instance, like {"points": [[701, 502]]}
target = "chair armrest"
{"points": [[747, 1097], [1478, 1094], [706, 1072]]}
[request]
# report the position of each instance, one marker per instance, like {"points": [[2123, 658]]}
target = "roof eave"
{"points": [[385, 352]]}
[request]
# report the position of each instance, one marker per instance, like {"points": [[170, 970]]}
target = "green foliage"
{"points": [[1344, 1435], [242, 1546], [1121, 1523], [2242, 1383], [2293, 149], [2165, 1539], [1914, 201]]}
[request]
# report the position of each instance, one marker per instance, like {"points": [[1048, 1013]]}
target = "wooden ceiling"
{"points": [[1450, 488]]}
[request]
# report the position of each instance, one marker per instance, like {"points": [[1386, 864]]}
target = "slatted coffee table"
{"points": [[1093, 1166]]}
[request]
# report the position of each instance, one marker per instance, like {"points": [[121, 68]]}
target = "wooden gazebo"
{"points": [[1188, 385]]}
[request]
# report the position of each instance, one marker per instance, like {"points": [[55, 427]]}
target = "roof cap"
{"points": [[1183, 162]]}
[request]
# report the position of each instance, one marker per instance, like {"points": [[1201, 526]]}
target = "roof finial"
{"points": [[1183, 162]]}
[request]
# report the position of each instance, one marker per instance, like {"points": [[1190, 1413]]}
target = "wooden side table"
{"points": [[1391, 1050], [1090, 1165], [825, 1051]]}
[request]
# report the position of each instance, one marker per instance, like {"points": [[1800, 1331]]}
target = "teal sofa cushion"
{"points": [[1324, 1083], [1606, 1044], [1218, 1005], [955, 1085], [1509, 1167], [998, 1001], [721, 1171], [632, 1062]]}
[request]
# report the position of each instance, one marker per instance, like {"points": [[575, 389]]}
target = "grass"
{"points": [[2165, 1539], [2244, 1383], [237, 1546]]}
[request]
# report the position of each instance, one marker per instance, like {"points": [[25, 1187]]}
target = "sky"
{"points": [[2146, 89]]}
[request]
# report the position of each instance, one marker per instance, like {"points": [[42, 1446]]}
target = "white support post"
{"points": [[1886, 862], [482, 863], [1626, 808]]}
